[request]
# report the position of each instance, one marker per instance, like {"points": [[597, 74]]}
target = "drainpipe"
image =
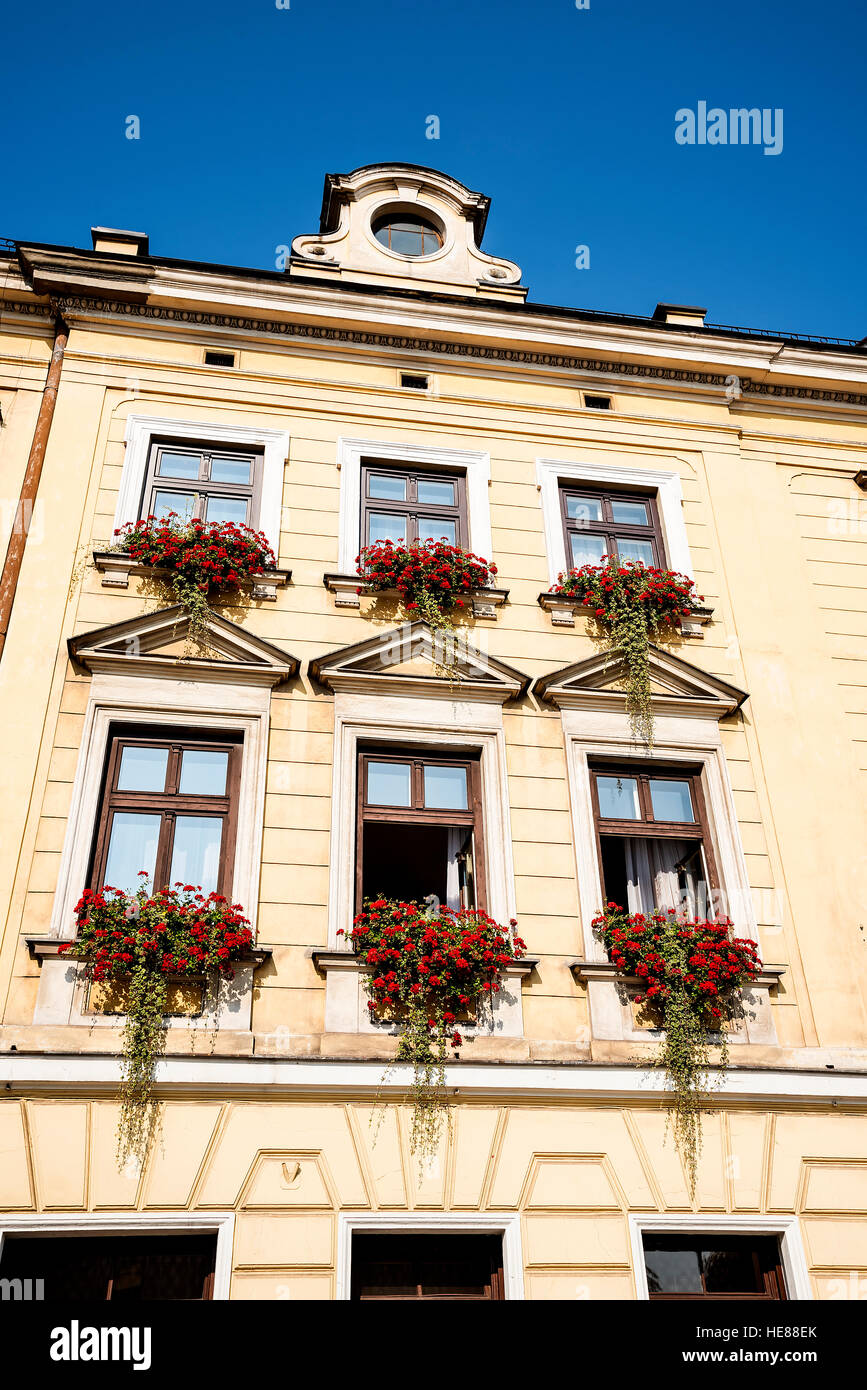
{"points": [[30, 485]]}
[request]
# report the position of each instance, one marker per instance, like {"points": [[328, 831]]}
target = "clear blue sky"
{"points": [[564, 117]]}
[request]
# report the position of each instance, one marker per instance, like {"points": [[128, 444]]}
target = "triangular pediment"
{"points": [[414, 659], [677, 686], [159, 644]]}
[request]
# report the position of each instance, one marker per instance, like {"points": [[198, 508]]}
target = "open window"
{"points": [[651, 833], [458, 1268], [420, 829], [113, 1268], [713, 1266]]}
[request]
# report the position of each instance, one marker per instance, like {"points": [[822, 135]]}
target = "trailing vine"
{"points": [[691, 974], [426, 968], [433, 578], [634, 603], [143, 940], [200, 559]]}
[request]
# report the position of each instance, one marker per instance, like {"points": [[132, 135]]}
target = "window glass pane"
{"points": [[434, 493], [587, 550], [436, 528], [628, 548], [388, 784], [672, 1270], [382, 527], [180, 502], [731, 1270], [630, 513], [584, 508], [203, 771], [445, 788], [132, 847], [227, 509], [407, 240], [231, 470], [142, 769], [670, 800], [174, 465], [388, 486], [196, 852], [618, 798]]}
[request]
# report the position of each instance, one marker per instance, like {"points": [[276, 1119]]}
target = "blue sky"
{"points": [[565, 117]]}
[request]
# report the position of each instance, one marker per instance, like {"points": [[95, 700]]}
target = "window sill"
{"points": [[348, 590], [116, 568], [586, 970], [563, 612], [48, 948]]}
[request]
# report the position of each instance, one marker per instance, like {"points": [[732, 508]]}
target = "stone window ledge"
{"points": [[48, 948], [346, 999], [563, 612], [586, 970], [348, 589], [116, 568]]}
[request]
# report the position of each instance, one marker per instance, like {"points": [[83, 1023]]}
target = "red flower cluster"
{"points": [[711, 965], [448, 959], [432, 567], [175, 931], [665, 595], [208, 555]]}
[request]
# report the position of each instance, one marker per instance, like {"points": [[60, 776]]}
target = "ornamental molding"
{"points": [[678, 687]]}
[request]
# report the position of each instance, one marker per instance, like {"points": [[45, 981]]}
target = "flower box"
{"points": [[564, 611], [348, 590], [115, 568]]}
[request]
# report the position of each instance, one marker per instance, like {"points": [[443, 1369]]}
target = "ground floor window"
{"points": [[456, 1267], [128, 1269], [712, 1266]]}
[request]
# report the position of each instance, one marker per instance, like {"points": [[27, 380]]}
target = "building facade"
{"points": [[394, 380]]}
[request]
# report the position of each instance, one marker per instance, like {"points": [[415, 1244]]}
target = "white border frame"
{"points": [[140, 431], [665, 482], [351, 453], [219, 1223], [786, 1227], [431, 1223]]}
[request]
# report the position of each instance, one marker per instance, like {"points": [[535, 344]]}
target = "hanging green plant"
{"points": [[200, 559], [143, 941], [634, 603], [691, 974], [426, 968], [434, 579]]}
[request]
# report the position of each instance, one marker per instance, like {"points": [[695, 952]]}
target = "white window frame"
{"points": [[351, 454], [141, 430], [665, 483], [219, 1223], [165, 704], [431, 1223], [786, 1227]]}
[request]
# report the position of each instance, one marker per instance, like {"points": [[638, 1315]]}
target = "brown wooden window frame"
{"points": [[169, 803], [417, 813], [421, 226], [647, 827], [411, 508], [608, 529], [767, 1266], [202, 488]]}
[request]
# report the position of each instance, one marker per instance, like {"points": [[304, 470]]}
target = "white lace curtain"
{"points": [[665, 874]]}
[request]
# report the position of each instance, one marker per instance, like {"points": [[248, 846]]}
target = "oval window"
{"points": [[407, 235]]}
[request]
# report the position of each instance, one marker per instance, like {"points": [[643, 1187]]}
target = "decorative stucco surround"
{"points": [[475, 465], [141, 430], [786, 1227]]}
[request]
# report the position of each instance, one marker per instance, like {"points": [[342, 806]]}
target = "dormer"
{"points": [[404, 227]]}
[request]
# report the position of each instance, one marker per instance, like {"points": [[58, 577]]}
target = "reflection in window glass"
{"points": [[132, 847], [196, 852], [672, 1271], [432, 492], [618, 798], [629, 513], [670, 800], [436, 528], [630, 548], [231, 470], [203, 771], [180, 502], [388, 784], [179, 465], [587, 550], [584, 508], [382, 527], [142, 769], [445, 788], [387, 487], [227, 509]]}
